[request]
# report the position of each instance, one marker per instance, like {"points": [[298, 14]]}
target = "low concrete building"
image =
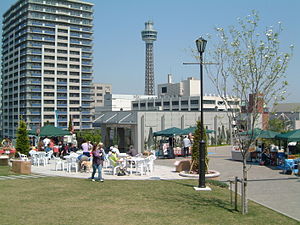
{"points": [[132, 127]]}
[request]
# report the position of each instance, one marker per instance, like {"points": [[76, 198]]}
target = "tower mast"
{"points": [[149, 35]]}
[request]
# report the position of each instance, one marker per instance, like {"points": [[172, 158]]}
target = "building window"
{"points": [[175, 103], [194, 102], [184, 102], [157, 103], [135, 105], [99, 94], [209, 102], [164, 90], [150, 104], [166, 103]]}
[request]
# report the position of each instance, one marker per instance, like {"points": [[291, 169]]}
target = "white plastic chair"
{"points": [[23, 157], [113, 166], [49, 155], [41, 158], [72, 163], [33, 157], [140, 166], [59, 163], [149, 162]]}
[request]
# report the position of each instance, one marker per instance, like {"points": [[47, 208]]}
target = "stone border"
{"points": [[212, 175]]}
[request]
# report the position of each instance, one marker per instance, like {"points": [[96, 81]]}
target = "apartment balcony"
{"points": [[34, 90], [62, 97], [33, 113], [62, 119], [34, 105], [87, 70], [86, 91], [61, 112], [62, 90], [87, 76], [61, 104], [62, 82]]}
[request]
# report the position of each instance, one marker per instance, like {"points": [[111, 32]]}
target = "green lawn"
{"points": [[54, 200], [6, 170]]}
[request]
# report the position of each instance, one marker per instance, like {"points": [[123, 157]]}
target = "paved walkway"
{"points": [[160, 172], [266, 186], [14, 177]]}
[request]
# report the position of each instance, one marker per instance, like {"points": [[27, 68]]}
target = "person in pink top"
{"points": [[86, 148]]}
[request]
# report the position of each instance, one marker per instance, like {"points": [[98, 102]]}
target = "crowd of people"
{"points": [[90, 154]]}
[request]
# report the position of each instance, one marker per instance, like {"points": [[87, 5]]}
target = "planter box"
{"points": [[4, 160], [22, 167]]}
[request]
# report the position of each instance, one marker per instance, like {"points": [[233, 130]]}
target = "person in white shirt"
{"points": [[186, 146], [46, 141]]}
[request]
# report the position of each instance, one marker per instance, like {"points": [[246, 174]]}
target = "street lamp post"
{"points": [[201, 44]]}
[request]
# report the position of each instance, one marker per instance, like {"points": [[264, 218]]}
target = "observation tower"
{"points": [[149, 35]]}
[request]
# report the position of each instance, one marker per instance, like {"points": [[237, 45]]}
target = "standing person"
{"points": [[46, 141], [86, 147], [186, 146], [98, 158]]}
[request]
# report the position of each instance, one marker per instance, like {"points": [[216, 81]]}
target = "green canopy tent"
{"points": [[49, 131], [173, 131], [255, 132], [170, 133], [268, 134], [258, 133], [292, 136], [188, 130]]}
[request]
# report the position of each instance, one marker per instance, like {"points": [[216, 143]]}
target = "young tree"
{"points": [[251, 68], [195, 149], [22, 143]]}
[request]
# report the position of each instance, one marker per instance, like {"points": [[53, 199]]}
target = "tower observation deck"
{"points": [[149, 35]]}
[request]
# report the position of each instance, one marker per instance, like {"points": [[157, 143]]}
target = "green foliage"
{"points": [[89, 135], [22, 143], [277, 125], [195, 148], [70, 126], [217, 183], [249, 61]]}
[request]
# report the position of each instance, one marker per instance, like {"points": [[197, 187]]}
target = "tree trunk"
{"points": [[244, 187]]}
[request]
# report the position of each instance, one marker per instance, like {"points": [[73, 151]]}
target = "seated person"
{"points": [[132, 151], [64, 150], [115, 148], [114, 158], [72, 148], [80, 159], [48, 148]]}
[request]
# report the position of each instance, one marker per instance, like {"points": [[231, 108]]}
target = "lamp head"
{"points": [[201, 44]]}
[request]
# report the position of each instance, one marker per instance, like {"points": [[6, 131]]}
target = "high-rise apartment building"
{"points": [[47, 64]]}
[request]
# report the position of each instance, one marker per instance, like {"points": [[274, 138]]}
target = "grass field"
{"points": [[54, 200], [6, 170]]}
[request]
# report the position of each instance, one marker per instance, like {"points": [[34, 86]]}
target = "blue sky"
{"points": [[119, 52]]}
